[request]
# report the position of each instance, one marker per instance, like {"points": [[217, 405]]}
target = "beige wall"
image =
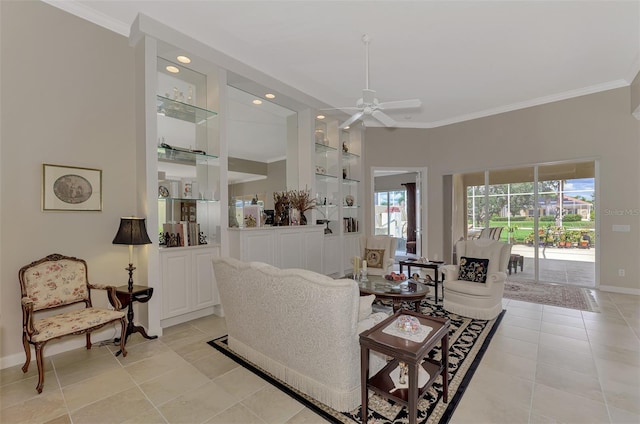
{"points": [[598, 126], [67, 98]]}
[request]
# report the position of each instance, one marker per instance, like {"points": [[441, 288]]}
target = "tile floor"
{"points": [[544, 365]]}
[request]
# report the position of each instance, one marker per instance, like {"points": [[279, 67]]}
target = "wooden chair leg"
{"points": [[88, 335], [27, 352], [40, 362], [123, 337]]}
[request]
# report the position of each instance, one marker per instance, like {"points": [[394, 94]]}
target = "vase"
{"points": [[294, 216]]}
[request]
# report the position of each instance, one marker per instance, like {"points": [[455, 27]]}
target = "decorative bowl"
{"points": [[408, 324]]}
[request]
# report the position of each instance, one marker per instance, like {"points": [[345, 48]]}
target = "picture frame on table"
{"points": [[70, 188]]}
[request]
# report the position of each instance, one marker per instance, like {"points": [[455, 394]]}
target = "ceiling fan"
{"points": [[368, 104]]}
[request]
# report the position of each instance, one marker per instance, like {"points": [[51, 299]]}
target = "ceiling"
{"points": [[463, 59]]}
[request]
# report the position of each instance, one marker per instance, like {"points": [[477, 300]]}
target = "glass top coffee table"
{"points": [[396, 291]]}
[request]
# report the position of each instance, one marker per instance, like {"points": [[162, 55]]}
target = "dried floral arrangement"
{"points": [[301, 200]]}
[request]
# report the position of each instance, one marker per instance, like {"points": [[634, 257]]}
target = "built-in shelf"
{"points": [[183, 111], [324, 148], [166, 154], [349, 155], [325, 177], [187, 199]]}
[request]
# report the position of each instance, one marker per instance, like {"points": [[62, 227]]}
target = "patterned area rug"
{"points": [[552, 294], [468, 340]]}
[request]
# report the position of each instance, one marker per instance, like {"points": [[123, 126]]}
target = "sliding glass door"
{"points": [[546, 212]]}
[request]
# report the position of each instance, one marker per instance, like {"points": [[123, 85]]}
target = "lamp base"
{"points": [[130, 268]]}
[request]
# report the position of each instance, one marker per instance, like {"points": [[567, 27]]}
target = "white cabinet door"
{"points": [[258, 246], [205, 290], [176, 282], [351, 249], [292, 249], [314, 251], [332, 256]]}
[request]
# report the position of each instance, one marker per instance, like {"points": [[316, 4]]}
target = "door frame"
{"points": [[421, 202]]}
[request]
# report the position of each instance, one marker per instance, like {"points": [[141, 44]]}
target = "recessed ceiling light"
{"points": [[172, 69], [270, 96], [257, 102], [347, 127], [183, 59], [320, 116]]}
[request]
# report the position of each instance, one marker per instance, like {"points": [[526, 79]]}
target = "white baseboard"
{"points": [[623, 290]]}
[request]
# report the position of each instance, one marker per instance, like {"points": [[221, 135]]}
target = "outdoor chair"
{"points": [[55, 283]]}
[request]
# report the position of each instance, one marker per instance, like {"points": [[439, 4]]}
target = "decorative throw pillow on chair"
{"points": [[374, 257], [473, 269]]}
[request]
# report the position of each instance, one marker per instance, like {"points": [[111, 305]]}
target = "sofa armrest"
{"points": [[27, 316], [496, 277], [111, 293], [450, 272], [373, 319]]}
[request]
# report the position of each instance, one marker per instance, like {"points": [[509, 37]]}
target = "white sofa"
{"points": [[477, 300], [299, 325]]}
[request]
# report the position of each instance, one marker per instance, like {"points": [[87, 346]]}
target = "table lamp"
{"points": [[132, 231]]}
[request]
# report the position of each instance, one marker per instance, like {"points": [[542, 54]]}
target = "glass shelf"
{"points": [[325, 177], [351, 207], [187, 199], [183, 111], [186, 157], [324, 148], [349, 155], [350, 181]]}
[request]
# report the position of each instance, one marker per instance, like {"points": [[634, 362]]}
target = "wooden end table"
{"points": [[435, 266], [413, 354], [140, 294]]}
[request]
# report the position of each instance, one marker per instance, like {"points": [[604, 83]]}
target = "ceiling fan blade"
{"points": [[351, 120], [341, 108], [384, 118], [401, 104]]}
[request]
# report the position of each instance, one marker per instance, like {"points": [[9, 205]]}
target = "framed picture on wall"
{"points": [[68, 188]]}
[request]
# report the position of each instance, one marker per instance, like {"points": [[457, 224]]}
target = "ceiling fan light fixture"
{"points": [[368, 104]]}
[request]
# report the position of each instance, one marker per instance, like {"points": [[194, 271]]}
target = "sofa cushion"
{"points": [[374, 257], [365, 308], [473, 269]]}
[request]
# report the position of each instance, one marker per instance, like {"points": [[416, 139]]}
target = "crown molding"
{"points": [[91, 15]]}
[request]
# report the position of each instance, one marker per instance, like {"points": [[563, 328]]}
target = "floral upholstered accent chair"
{"points": [[56, 282]]}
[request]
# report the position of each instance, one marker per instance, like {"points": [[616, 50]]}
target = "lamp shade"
{"points": [[132, 231]]}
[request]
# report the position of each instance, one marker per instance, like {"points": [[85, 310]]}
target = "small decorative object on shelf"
{"points": [[344, 173], [349, 200], [202, 238], [408, 324], [345, 147]]}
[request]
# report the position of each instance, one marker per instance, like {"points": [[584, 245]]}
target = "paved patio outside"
{"points": [[557, 265]]}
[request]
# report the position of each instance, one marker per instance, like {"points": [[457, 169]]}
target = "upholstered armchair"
{"points": [[474, 287], [53, 283], [379, 252]]}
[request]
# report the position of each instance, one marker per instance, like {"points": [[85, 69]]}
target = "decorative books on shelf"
{"points": [[350, 225], [181, 234]]}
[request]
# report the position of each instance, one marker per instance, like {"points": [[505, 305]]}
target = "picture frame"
{"points": [[70, 188]]}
